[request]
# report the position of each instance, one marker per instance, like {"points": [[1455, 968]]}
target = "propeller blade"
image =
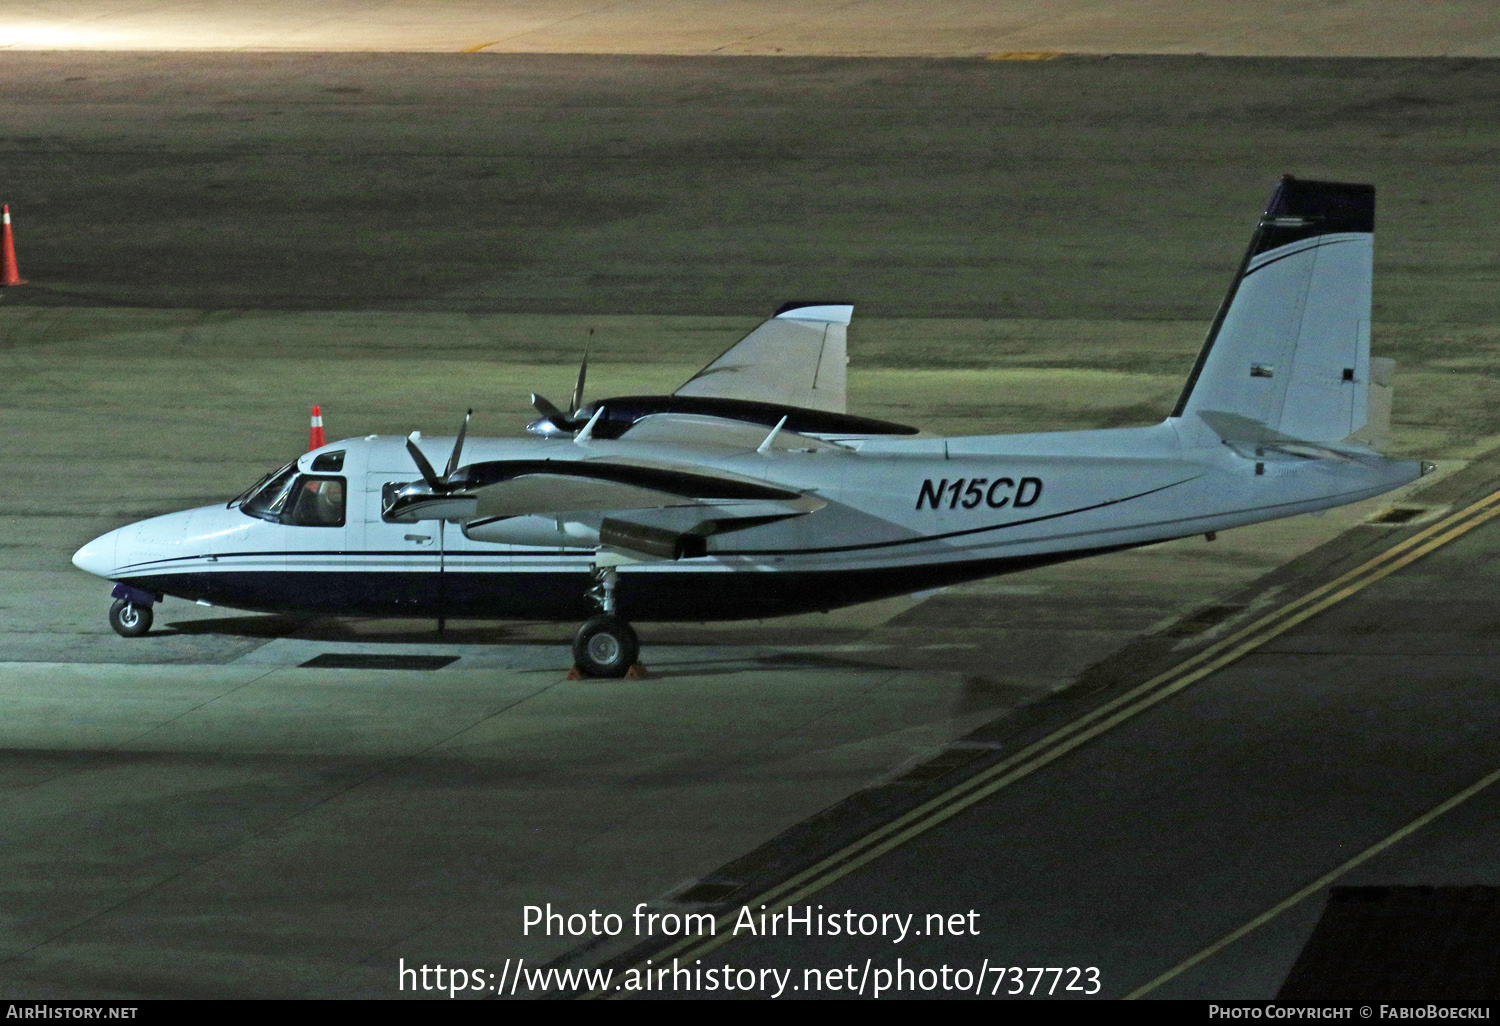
{"points": [[557, 418], [428, 474], [583, 373], [458, 447]]}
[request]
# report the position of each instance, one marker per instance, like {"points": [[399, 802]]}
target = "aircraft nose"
{"points": [[98, 556]]}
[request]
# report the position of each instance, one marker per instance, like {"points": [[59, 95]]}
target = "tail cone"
{"points": [[9, 274], [315, 438]]}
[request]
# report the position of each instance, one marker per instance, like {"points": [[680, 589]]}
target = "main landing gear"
{"points": [[605, 646]]}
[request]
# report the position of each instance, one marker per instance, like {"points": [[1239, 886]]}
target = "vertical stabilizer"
{"points": [[1290, 347]]}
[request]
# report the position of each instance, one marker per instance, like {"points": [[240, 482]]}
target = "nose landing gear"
{"points": [[606, 645], [130, 620], [131, 616]]}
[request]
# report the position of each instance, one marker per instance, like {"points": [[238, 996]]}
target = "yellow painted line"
{"points": [[1104, 718], [1024, 55], [1318, 884], [481, 46]]}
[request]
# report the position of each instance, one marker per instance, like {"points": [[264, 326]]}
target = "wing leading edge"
{"points": [[543, 487]]}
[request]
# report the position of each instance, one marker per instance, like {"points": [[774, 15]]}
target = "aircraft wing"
{"points": [[513, 488], [797, 358], [692, 429]]}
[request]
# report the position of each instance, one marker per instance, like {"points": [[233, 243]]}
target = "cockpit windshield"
{"points": [[266, 498]]}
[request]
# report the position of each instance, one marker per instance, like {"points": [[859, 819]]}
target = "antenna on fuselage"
{"points": [[765, 446], [586, 435]]}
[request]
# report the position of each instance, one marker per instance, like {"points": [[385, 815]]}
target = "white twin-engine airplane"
{"points": [[749, 492]]}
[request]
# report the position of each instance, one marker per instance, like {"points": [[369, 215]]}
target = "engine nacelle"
{"points": [[546, 532]]}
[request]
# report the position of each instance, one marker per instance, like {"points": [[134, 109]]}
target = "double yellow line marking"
{"points": [[1085, 728]]}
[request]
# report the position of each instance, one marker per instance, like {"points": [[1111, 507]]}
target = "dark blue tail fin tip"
{"points": [[1301, 209]]}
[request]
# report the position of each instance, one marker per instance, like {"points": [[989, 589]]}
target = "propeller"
{"points": [[555, 421], [445, 483], [552, 417], [458, 445]]}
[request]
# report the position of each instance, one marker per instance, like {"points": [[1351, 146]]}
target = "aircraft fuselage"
{"points": [[902, 515]]}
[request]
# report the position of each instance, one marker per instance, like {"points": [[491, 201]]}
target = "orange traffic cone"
{"points": [[315, 436], [9, 275]]}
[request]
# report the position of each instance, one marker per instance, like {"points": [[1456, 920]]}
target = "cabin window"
{"points": [[328, 462], [317, 502], [267, 500]]}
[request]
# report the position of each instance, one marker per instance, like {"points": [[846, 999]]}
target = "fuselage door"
{"points": [[400, 564]]}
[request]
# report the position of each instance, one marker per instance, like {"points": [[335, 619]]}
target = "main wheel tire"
{"points": [[605, 646], [128, 619]]}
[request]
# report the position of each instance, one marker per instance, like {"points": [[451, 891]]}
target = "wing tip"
{"points": [[802, 310]]}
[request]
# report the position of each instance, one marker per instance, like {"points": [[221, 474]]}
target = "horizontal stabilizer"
{"points": [[1252, 438]]}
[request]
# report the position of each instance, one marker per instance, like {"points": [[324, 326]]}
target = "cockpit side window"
{"points": [[268, 500], [316, 502]]}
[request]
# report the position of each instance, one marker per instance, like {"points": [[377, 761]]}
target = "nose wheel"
{"points": [[128, 619], [606, 645]]}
